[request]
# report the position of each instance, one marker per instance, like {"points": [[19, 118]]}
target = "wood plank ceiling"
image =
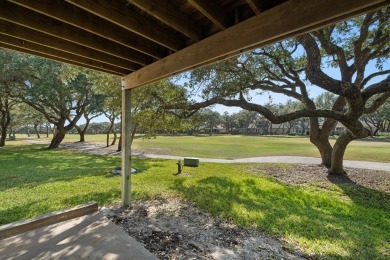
{"points": [[133, 37]]}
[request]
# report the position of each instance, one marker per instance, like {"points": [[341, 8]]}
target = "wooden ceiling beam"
{"points": [[286, 20], [130, 20], [32, 52], [213, 12], [24, 17], [255, 5], [35, 49], [49, 41], [170, 15], [67, 13]]}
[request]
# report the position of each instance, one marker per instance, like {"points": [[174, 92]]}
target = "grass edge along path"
{"points": [[332, 222]]}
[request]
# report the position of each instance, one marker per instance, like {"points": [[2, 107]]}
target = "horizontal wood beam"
{"points": [[14, 48], [130, 20], [40, 50], [24, 17], [255, 6], [213, 12], [67, 13], [170, 15], [22, 226], [49, 41], [289, 19]]}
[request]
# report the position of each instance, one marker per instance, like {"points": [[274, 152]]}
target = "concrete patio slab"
{"points": [[89, 237]]}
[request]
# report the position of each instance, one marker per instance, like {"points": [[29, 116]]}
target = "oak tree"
{"points": [[293, 67]]}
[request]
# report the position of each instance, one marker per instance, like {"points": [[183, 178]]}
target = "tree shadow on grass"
{"points": [[360, 194], [38, 207], [107, 197], [31, 166], [36, 167], [337, 228], [143, 164], [22, 211]]}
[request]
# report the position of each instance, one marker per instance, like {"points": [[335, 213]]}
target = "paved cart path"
{"points": [[281, 159]]}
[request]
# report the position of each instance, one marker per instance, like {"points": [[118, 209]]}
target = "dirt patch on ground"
{"points": [[173, 229], [97, 148], [317, 175]]}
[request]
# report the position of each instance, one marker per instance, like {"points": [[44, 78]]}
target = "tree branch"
{"points": [[378, 102], [377, 88], [267, 113], [333, 49], [373, 75], [315, 73]]}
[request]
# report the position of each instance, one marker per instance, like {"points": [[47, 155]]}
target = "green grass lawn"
{"points": [[239, 146], [334, 222]]}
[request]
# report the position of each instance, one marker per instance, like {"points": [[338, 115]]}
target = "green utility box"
{"points": [[194, 162], [12, 138]]}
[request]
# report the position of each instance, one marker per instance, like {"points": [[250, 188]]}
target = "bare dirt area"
{"points": [[304, 174], [174, 229]]}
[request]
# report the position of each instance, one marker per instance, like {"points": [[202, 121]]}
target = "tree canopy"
{"points": [[294, 66]]}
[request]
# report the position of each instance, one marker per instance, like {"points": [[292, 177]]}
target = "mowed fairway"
{"points": [[238, 146], [227, 147]]}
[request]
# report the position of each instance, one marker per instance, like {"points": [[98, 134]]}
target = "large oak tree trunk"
{"points": [[115, 137], [82, 137], [338, 153], [3, 136], [119, 144], [36, 131], [84, 131], [80, 133], [5, 121], [358, 131], [57, 139], [111, 130], [133, 130], [325, 149], [320, 138], [61, 131]]}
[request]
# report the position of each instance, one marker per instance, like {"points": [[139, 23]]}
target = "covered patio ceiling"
{"points": [[148, 40]]}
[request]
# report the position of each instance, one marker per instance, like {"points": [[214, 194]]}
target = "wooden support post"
{"points": [[126, 146]]}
